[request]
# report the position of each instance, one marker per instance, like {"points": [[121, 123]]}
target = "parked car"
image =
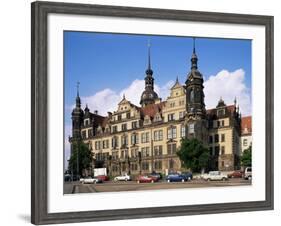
{"points": [[146, 179], [215, 175], [156, 175], [248, 173], [187, 175], [103, 177], [124, 177], [90, 180], [235, 174], [67, 177], [175, 178]]}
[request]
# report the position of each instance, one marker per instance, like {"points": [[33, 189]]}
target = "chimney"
{"points": [[96, 112]]}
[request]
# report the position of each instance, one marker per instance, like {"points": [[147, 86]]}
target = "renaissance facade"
{"points": [[144, 139]]}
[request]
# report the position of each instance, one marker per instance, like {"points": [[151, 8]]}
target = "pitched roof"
{"points": [[230, 108], [152, 109], [246, 125]]}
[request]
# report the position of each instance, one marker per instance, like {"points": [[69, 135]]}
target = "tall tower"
{"points": [[77, 118], [195, 105], [149, 95]]}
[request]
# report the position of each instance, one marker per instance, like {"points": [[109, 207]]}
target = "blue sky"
{"points": [[108, 65]]}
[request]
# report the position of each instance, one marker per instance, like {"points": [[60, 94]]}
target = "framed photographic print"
{"points": [[149, 112]]}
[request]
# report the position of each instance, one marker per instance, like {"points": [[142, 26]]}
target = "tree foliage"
{"points": [[193, 154], [85, 156], [246, 158]]}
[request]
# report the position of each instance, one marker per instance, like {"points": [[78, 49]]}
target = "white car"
{"points": [[122, 178], [89, 180], [215, 175], [248, 173]]}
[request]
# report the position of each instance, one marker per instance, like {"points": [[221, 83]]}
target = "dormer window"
{"points": [[221, 112]]}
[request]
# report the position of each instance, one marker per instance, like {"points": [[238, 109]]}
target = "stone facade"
{"points": [[142, 139]]}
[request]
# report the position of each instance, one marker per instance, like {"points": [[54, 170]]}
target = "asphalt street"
{"points": [[110, 186]]}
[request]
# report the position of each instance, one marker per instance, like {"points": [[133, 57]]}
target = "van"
{"points": [[248, 173]]}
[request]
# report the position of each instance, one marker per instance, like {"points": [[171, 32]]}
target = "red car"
{"points": [[235, 174], [146, 179], [103, 177]]}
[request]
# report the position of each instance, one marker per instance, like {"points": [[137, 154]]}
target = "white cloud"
{"points": [[107, 99], [228, 85]]}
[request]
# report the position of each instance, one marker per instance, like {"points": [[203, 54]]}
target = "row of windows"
{"points": [[144, 152], [145, 138], [215, 138], [144, 166], [173, 104]]}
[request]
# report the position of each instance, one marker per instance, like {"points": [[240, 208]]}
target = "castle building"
{"points": [[246, 132], [144, 139]]}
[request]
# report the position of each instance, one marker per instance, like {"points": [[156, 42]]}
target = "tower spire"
{"points": [[149, 70], [78, 100], [194, 58]]}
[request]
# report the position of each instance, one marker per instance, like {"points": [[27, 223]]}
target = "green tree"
{"points": [[193, 154], [246, 158], [85, 156]]}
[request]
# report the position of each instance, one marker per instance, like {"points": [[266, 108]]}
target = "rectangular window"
{"points": [[222, 138], [114, 129], [172, 132], [218, 123], [171, 117], [211, 139], [222, 122], [124, 127], [158, 135], [158, 165], [222, 150], [158, 150], [90, 133], [119, 117], [134, 139], [145, 137], [114, 142], [134, 125], [134, 153], [124, 140], [216, 138], [145, 152], [171, 149], [145, 166], [128, 115], [183, 131]]}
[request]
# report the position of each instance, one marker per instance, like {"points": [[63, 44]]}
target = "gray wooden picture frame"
{"points": [[39, 109]]}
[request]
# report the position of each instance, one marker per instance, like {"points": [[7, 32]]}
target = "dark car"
{"points": [[158, 176], [103, 177], [175, 178], [188, 175], [235, 174]]}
